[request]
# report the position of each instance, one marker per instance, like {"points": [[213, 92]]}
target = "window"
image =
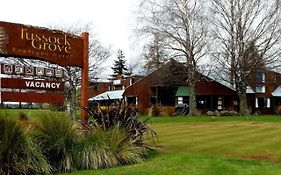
{"points": [[260, 77], [262, 102], [117, 82], [110, 88], [260, 89], [220, 103], [180, 100], [201, 104], [131, 81], [275, 78], [155, 100]]}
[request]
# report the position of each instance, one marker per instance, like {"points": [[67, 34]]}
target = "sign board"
{"points": [[24, 41], [18, 40], [32, 97], [14, 83], [11, 69]]}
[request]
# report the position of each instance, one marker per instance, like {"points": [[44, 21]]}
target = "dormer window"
{"points": [[260, 77]]}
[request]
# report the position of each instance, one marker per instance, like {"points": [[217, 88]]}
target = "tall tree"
{"points": [[154, 54], [246, 35], [119, 67], [183, 28]]}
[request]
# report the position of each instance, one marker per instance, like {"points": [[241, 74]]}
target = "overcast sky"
{"points": [[113, 19]]}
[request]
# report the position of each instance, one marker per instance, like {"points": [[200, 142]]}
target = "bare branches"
{"points": [[246, 35], [239, 23], [182, 25]]}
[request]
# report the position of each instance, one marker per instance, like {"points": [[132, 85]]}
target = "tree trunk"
{"points": [[192, 101], [243, 104], [72, 104]]}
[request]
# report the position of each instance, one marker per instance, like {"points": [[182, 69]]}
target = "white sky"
{"points": [[113, 19]]}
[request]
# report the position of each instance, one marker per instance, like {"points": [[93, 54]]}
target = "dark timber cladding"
{"points": [[17, 40]]}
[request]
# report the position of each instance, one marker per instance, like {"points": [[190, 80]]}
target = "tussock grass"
{"points": [[57, 134], [107, 148], [19, 152]]}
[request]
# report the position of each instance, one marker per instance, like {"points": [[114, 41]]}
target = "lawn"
{"points": [[211, 146], [30, 113], [205, 146]]}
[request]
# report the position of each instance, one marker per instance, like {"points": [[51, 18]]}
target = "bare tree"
{"points": [[246, 35], [154, 54], [98, 54], [182, 26]]}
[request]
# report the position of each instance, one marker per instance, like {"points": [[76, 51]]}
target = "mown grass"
{"points": [[210, 146], [30, 113], [206, 145], [184, 119], [233, 139], [187, 164]]}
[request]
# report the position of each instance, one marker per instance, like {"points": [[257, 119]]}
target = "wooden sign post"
{"points": [[85, 78]]}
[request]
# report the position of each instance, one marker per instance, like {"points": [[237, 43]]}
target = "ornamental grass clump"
{"points": [[124, 117], [93, 152], [107, 148], [58, 135], [19, 151], [56, 143], [124, 148]]}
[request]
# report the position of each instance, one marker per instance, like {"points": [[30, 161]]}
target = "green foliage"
{"points": [[190, 119], [107, 148], [57, 134], [124, 117], [55, 143], [186, 164], [30, 113], [19, 152], [56, 107], [119, 67], [210, 146], [123, 146], [92, 152]]}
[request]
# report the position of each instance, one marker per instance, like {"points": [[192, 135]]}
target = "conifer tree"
{"points": [[119, 68]]}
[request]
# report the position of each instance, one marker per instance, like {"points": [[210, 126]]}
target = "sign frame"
{"points": [[58, 47]]}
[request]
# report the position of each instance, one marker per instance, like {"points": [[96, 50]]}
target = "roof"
{"points": [[249, 90], [108, 95], [183, 91], [163, 76], [277, 92]]}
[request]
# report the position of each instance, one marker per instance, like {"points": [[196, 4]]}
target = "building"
{"points": [[105, 93], [264, 95], [167, 86]]}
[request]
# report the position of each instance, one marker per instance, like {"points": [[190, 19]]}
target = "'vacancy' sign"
{"points": [[15, 83]]}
